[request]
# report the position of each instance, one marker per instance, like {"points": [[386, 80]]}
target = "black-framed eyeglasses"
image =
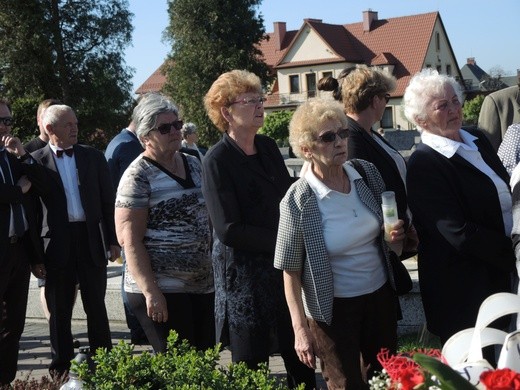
{"points": [[250, 101], [6, 120], [165, 128], [330, 136]]}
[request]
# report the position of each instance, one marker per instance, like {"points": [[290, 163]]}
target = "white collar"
{"points": [[319, 188], [446, 146]]}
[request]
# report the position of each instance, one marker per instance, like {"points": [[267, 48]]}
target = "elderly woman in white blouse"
{"points": [[459, 195], [331, 249]]}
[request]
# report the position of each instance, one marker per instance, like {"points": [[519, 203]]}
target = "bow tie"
{"points": [[68, 152]]}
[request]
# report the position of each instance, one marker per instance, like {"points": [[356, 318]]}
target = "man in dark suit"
{"points": [[120, 152], [19, 241], [78, 233]]}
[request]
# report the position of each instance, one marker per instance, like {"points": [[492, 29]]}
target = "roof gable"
{"points": [[407, 38]]}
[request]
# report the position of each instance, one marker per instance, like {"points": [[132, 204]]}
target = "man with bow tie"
{"points": [[78, 233], [19, 240]]}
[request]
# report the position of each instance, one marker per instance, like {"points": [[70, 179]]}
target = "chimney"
{"points": [[471, 61], [280, 28], [368, 17]]}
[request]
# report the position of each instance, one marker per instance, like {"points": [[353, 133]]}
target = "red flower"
{"points": [[410, 377], [501, 379], [401, 369]]}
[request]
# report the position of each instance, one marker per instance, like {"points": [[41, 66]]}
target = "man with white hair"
{"points": [[78, 233]]}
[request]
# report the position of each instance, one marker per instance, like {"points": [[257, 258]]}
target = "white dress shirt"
{"points": [[70, 178]]}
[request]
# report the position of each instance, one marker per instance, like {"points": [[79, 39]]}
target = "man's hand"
{"points": [[24, 183], [39, 271], [115, 252], [13, 145]]}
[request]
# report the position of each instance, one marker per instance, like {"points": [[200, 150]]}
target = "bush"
{"points": [[471, 110], [276, 125], [181, 367]]}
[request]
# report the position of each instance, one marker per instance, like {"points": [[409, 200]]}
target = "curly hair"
{"points": [[308, 117], [423, 86], [225, 90]]}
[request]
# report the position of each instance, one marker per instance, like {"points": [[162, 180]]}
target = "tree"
{"points": [[471, 110], [70, 50], [493, 81], [210, 37], [276, 125]]}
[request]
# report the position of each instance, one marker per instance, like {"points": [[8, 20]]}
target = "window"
{"points": [[448, 70], [294, 83], [311, 84], [438, 41], [387, 121], [326, 74], [439, 69], [428, 66]]}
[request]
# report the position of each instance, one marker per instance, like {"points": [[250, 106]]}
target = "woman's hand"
{"points": [[304, 346], [397, 233], [156, 307]]}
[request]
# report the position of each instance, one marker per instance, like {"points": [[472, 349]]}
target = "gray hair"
{"points": [[423, 86], [149, 107], [188, 128], [52, 114]]}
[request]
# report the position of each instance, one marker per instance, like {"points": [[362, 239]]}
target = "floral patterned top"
{"points": [[177, 238]]}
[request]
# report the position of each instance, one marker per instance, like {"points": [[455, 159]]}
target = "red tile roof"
{"points": [[154, 83], [401, 41], [406, 38], [271, 54]]}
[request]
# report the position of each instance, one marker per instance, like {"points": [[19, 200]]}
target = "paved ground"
{"points": [[34, 356]]}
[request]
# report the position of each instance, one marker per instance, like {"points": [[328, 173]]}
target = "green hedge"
{"points": [[180, 367]]}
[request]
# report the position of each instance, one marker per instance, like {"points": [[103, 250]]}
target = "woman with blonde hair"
{"points": [[244, 180], [330, 246]]}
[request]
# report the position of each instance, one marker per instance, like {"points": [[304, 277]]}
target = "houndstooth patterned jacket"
{"points": [[300, 245]]}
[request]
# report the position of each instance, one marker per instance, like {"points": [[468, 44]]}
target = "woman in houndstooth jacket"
{"points": [[331, 248]]}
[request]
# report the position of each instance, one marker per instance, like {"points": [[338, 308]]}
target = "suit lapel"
{"points": [[380, 151], [47, 160]]}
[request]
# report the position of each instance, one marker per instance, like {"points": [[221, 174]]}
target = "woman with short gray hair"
{"points": [[163, 225]]}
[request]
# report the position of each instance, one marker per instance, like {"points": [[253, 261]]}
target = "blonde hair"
{"points": [[225, 90], [361, 84], [306, 121]]}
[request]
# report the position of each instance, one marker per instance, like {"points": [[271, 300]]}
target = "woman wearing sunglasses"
{"points": [[332, 252], [244, 180], [163, 226], [365, 92]]}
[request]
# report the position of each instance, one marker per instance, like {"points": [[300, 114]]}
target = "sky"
{"points": [[485, 30]]}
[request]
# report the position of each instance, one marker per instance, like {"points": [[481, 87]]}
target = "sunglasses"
{"points": [[386, 96], [165, 128], [6, 120], [330, 136]]}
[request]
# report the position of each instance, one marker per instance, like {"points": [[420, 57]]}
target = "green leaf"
{"points": [[447, 376]]}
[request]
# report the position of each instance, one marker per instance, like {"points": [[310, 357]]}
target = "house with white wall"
{"points": [[299, 58], [402, 46]]}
